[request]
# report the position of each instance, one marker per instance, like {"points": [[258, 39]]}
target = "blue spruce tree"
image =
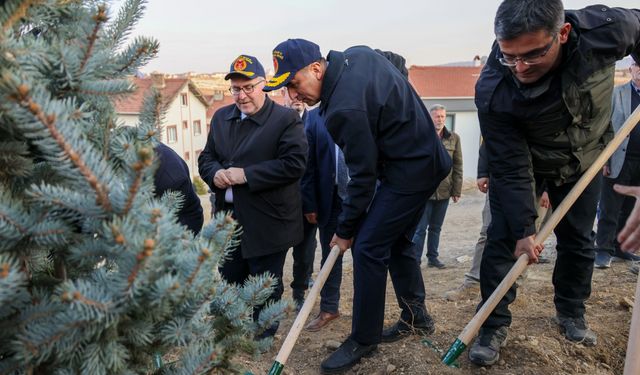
{"points": [[96, 275]]}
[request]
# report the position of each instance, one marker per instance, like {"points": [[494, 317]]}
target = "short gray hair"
{"points": [[437, 107], [518, 17]]}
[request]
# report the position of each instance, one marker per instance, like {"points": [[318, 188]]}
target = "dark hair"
{"points": [[517, 17]]}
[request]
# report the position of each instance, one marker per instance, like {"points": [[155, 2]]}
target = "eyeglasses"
{"points": [[532, 59], [248, 89]]}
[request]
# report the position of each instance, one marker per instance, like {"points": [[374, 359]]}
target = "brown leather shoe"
{"points": [[321, 320]]}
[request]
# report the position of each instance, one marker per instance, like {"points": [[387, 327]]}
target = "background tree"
{"points": [[97, 276]]}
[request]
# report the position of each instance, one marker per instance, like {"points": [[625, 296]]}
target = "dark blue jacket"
{"points": [[318, 182], [383, 128], [558, 134], [173, 175]]}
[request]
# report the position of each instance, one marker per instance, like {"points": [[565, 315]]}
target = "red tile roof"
{"points": [[444, 81], [172, 86]]}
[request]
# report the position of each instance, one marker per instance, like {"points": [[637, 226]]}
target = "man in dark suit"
{"points": [[322, 194], [386, 134], [173, 175], [253, 160], [304, 252]]}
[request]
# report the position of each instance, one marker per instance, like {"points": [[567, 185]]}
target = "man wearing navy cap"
{"points": [[391, 149], [254, 158]]}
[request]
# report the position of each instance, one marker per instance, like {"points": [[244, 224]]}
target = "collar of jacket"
{"points": [[259, 117], [331, 77], [445, 133]]}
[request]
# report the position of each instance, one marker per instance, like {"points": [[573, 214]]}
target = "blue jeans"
{"points": [[432, 219]]}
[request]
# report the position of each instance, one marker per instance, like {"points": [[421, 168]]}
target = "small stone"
{"points": [[522, 337], [390, 368], [533, 341], [502, 362], [332, 344], [463, 259]]}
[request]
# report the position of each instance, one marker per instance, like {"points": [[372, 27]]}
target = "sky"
{"points": [[206, 36]]}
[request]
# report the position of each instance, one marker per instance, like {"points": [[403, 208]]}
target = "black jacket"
{"points": [[272, 149], [383, 128], [558, 134], [173, 175]]}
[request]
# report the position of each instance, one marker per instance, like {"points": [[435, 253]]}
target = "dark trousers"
{"points": [[303, 255], [574, 263], [236, 270], [431, 221], [615, 208], [383, 243], [330, 293]]}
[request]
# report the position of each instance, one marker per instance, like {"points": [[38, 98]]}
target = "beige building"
{"points": [[185, 126]]}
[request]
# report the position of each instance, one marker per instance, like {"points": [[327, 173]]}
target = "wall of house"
{"points": [[128, 120], [187, 141], [467, 126]]}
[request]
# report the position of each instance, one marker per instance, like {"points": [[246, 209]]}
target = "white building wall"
{"points": [[186, 140], [468, 128]]}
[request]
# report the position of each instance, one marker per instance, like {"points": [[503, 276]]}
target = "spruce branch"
{"points": [[99, 18], [49, 121], [18, 13], [147, 251], [146, 160]]}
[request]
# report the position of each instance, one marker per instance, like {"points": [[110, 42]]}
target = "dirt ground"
{"points": [[535, 345]]}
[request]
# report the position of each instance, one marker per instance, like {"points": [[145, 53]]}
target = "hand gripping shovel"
{"points": [[472, 328], [298, 324]]}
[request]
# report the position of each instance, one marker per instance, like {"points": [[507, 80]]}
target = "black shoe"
{"points": [[485, 351], [401, 330], [298, 299], [345, 357], [576, 329], [626, 256], [603, 259], [435, 262]]}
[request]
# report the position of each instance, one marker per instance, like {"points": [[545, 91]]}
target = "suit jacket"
{"points": [[318, 182], [621, 111], [271, 147], [173, 174]]}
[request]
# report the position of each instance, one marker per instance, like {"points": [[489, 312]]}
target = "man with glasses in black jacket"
{"points": [[544, 105]]}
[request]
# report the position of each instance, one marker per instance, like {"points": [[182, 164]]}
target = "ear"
{"points": [[565, 30], [317, 70]]}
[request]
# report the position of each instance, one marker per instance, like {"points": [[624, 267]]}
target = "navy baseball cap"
{"points": [[247, 66], [289, 57]]}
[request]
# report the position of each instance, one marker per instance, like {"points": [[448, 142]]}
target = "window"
{"points": [[186, 156], [197, 128], [198, 152], [172, 134], [450, 122], [185, 124], [184, 100]]}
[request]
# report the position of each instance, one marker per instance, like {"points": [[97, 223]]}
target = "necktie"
{"points": [[343, 176]]}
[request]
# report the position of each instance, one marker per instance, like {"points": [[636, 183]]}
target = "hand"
{"points": [[343, 244], [221, 180], [455, 199], [236, 176], [606, 171], [544, 200], [311, 217], [527, 246], [483, 184], [629, 236]]}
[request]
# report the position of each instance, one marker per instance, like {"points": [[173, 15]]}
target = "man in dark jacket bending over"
{"points": [[377, 119], [544, 105]]}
